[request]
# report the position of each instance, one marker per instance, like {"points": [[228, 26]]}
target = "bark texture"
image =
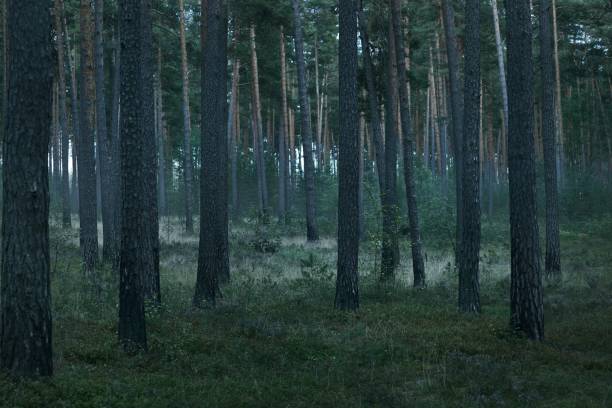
{"points": [[347, 282], [527, 309], [25, 293], [213, 259], [469, 286]]}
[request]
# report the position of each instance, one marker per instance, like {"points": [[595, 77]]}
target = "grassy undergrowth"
{"points": [[275, 340]]}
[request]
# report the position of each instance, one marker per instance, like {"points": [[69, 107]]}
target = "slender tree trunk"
{"points": [[110, 244], [151, 281], [418, 264], [469, 286], [161, 159], [63, 118], [116, 142], [55, 142], [25, 293], [501, 64], [258, 130], [284, 134], [560, 155], [74, 89], [134, 249], [213, 259], [188, 158], [526, 280], [390, 255], [347, 281], [234, 131], [553, 258], [312, 233], [86, 156]]}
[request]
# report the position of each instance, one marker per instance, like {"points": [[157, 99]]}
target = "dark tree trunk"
{"points": [[373, 104], [86, 156], [133, 261], [312, 233], [234, 134], [418, 264], [63, 119], [526, 279], [553, 257], [160, 139], [110, 245], [284, 156], [213, 259], [151, 279], [188, 158], [25, 292], [116, 142], [469, 286], [390, 210], [457, 114], [55, 142], [347, 282]]}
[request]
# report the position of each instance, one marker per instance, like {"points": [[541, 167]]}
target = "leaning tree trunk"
{"points": [[25, 293], [312, 233], [213, 259], [469, 286], [86, 157], [63, 119], [134, 251], [501, 64], [188, 158], [110, 245], [526, 279], [553, 262], [418, 264], [347, 282]]}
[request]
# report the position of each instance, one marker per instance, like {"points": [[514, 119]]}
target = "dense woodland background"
{"points": [[214, 178]]}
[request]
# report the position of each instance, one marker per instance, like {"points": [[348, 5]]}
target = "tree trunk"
{"points": [[188, 158], [347, 282], [418, 264], [63, 119], [87, 162], [553, 258], [501, 64], [160, 139], [110, 244], [284, 134], [55, 142], [258, 130], [151, 282], [25, 293], [234, 131], [213, 259], [312, 233], [526, 280], [133, 262], [469, 286], [116, 142], [390, 255], [560, 154]]}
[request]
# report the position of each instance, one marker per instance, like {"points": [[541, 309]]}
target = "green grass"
{"points": [[275, 339]]}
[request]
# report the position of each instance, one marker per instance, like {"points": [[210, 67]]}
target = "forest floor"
{"points": [[275, 340]]}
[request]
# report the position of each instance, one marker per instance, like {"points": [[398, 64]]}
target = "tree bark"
{"points": [[312, 233], [63, 119], [234, 131], [284, 135], [188, 158], [86, 156], [110, 244], [527, 309], [133, 262], [213, 259], [558, 103], [25, 292], [390, 255], [469, 286], [151, 281], [160, 139], [547, 67], [418, 264], [347, 281], [501, 64]]}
